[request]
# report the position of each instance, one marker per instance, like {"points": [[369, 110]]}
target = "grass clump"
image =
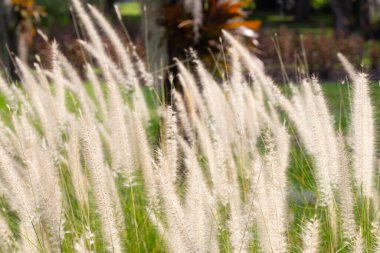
{"points": [[99, 165]]}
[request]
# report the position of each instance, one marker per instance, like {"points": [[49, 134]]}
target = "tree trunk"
{"points": [[23, 43], [302, 10], [365, 19], [105, 5], [369, 17], [342, 10], [108, 6], [7, 34], [154, 37]]}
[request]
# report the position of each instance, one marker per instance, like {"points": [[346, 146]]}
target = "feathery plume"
{"points": [[346, 198], [101, 186], [362, 132], [7, 241], [310, 237], [178, 229]]}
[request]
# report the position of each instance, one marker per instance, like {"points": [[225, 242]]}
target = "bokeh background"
{"points": [[292, 37]]}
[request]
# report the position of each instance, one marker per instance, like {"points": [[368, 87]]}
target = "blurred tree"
{"points": [[6, 33], [58, 13], [364, 14], [26, 14], [17, 29], [106, 5], [302, 10], [199, 25], [343, 13], [153, 34], [319, 5], [266, 5]]}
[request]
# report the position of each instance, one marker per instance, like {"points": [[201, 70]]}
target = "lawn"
{"points": [[130, 8]]}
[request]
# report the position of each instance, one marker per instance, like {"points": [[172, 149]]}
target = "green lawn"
{"points": [[130, 9], [318, 23]]}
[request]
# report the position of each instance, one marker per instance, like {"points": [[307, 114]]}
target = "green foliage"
{"points": [[140, 234], [319, 4], [58, 12]]}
